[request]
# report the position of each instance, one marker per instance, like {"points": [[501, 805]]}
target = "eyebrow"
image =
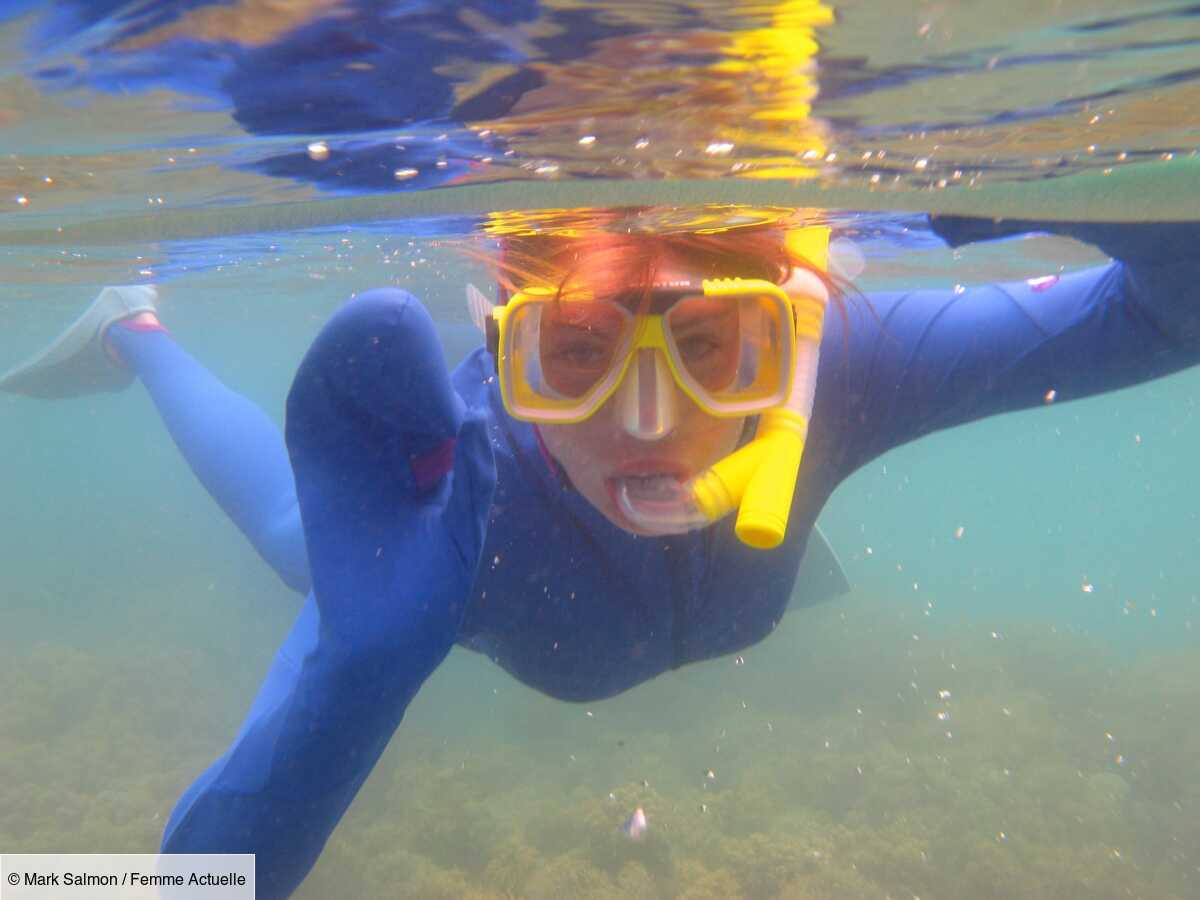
{"points": [[586, 324]]}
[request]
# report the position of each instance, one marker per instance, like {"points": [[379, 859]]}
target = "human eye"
{"points": [[581, 352], [697, 345]]}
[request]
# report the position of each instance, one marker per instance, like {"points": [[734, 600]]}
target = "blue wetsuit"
{"points": [[561, 598]]}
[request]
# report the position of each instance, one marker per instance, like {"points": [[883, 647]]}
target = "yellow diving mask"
{"points": [[729, 345], [736, 347]]}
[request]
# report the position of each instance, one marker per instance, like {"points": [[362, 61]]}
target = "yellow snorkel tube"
{"points": [[759, 479]]}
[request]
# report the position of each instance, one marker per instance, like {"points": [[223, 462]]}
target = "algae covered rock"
{"points": [[569, 876]]}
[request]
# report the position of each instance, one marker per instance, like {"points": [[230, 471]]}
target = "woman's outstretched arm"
{"points": [[395, 481], [920, 361]]}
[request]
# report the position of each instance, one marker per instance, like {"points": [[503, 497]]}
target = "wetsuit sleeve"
{"points": [[394, 479], [906, 364]]}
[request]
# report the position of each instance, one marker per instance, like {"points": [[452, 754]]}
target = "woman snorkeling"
{"points": [[602, 493]]}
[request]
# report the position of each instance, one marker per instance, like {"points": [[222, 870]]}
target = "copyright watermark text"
{"points": [[137, 876]]}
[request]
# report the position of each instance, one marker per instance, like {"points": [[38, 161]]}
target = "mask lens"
{"points": [[578, 345], [733, 350], [707, 336]]}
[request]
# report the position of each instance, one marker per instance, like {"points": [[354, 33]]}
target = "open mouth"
{"points": [[655, 503], [653, 488]]}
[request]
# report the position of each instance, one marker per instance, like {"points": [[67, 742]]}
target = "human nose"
{"points": [[646, 404]]}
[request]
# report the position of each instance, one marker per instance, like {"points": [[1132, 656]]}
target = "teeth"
{"points": [[661, 487]]}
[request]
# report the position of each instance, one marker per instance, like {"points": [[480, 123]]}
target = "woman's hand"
{"points": [[394, 480]]}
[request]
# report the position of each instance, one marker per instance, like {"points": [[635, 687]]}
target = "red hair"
{"points": [[612, 262]]}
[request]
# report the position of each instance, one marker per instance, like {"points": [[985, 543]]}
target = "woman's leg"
{"points": [[233, 448]]}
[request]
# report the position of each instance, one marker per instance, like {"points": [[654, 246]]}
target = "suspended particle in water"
{"points": [[1086, 586], [318, 150], [1050, 396], [641, 143], [405, 174], [921, 164], [959, 532], [719, 148], [587, 140], [22, 200], [546, 169]]}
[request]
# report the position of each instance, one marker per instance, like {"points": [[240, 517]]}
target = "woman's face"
{"points": [[598, 453]]}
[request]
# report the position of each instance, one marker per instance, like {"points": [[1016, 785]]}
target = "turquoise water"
{"points": [[138, 623]]}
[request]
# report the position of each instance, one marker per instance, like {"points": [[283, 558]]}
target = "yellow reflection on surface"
{"points": [[706, 219], [731, 98]]}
